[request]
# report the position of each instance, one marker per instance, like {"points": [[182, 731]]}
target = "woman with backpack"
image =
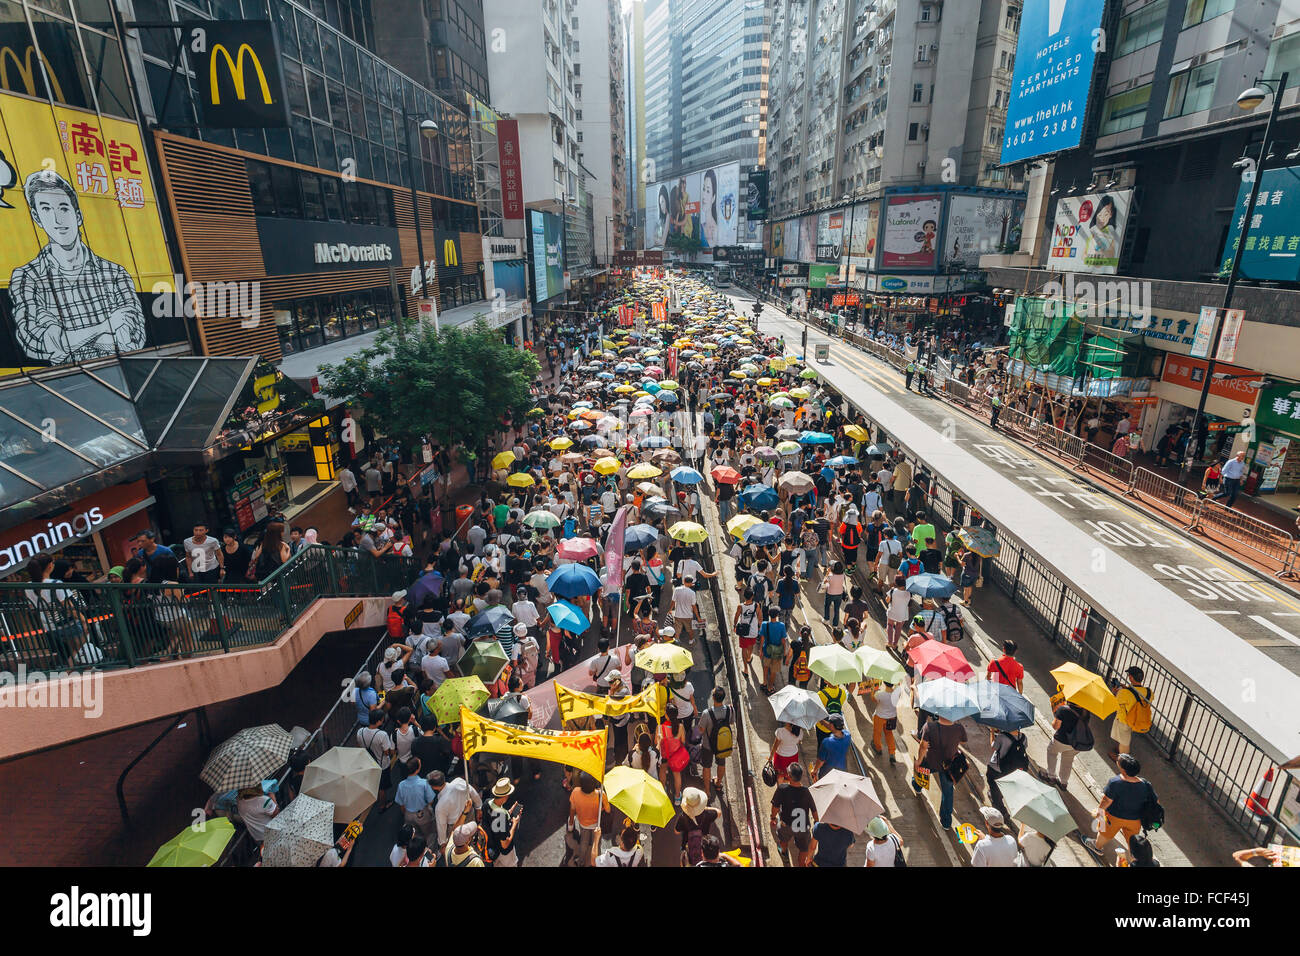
{"points": [[1072, 737], [748, 619], [1009, 754]]}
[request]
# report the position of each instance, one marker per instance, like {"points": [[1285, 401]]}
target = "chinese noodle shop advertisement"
{"points": [[81, 242]]}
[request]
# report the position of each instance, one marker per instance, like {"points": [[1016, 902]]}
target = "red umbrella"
{"points": [[935, 659], [725, 475], [579, 549]]}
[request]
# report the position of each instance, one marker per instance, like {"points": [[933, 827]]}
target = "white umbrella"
{"points": [[846, 800], [347, 777], [795, 705], [300, 834]]}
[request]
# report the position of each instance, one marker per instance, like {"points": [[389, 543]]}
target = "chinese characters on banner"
{"points": [[1232, 319], [512, 187], [584, 750], [574, 705], [672, 362]]}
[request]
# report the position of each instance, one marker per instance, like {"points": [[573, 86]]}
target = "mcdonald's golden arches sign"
{"points": [[237, 72]]}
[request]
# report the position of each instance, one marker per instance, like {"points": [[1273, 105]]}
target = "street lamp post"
{"points": [[428, 130], [848, 250], [1248, 100]]}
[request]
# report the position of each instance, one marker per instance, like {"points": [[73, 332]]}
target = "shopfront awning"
{"points": [[69, 432]]}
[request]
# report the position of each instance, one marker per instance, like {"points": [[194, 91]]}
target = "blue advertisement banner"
{"points": [[547, 255], [1273, 240], [1053, 71]]}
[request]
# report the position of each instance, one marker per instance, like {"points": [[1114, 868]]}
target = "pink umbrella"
{"points": [[935, 659], [641, 412], [580, 549], [653, 370]]}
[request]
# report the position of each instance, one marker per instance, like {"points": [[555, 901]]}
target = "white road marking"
{"points": [[1265, 622]]}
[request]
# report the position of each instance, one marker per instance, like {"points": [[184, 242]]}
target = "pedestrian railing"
{"points": [[1103, 462], [66, 626], [1260, 536], [1217, 756], [1164, 495]]}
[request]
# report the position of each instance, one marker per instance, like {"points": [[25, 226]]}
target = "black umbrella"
{"points": [[489, 621], [509, 710]]}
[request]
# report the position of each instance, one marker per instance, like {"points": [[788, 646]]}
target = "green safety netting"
{"points": [[1045, 335]]}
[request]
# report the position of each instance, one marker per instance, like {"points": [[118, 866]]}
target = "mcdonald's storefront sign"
{"points": [[449, 253], [237, 69]]}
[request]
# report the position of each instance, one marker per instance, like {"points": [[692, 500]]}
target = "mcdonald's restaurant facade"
{"points": [[332, 257]]}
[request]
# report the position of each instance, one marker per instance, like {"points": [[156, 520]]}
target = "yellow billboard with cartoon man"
{"points": [[80, 236]]}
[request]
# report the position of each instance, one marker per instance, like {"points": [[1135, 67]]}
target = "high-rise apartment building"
{"points": [[869, 94], [440, 42], [600, 95]]}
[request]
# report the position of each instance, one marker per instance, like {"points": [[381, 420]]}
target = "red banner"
{"points": [[626, 315], [660, 311], [851, 299], [512, 185]]}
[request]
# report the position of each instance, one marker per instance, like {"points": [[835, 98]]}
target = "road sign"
{"points": [[822, 353]]}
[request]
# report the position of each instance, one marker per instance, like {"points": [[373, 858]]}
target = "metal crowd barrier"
{"points": [[1164, 494], [1257, 535]]}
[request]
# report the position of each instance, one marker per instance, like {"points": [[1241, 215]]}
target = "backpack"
{"points": [[722, 742], [770, 646], [895, 558], [1139, 715], [910, 567], [1153, 813], [953, 626], [800, 669], [1016, 757], [745, 627], [1081, 738], [694, 847]]}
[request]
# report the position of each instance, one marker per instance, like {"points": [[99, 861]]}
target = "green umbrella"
{"points": [[541, 519], [457, 692], [808, 374], [484, 660], [879, 665], [835, 664], [1036, 804], [192, 847]]}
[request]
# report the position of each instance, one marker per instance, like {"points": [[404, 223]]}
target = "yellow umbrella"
{"points": [[625, 389], [800, 393], [668, 383], [1086, 689], [857, 433], [663, 659], [688, 531], [738, 525], [575, 413], [737, 373], [765, 381], [640, 796], [520, 479], [644, 470], [607, 466], [561, 443], [503, 460]]}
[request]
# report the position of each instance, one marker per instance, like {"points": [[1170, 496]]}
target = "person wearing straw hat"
{"points": [[501, 818], [696, 821]]}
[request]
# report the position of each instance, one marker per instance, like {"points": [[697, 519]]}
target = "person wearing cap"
{"points": [[395, 658], [833, 752], [886, 846], [114, 575], [396, 619], [459, 850], [501, 820], [997, 847]]}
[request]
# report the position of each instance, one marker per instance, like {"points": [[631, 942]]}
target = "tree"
{"points": [[457, 386]]}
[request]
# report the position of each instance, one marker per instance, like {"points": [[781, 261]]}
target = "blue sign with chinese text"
{"points": [[1273, 238], [1053, 71]]}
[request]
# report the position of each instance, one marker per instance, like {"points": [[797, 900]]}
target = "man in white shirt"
{"points": [[602, 667], [1123, 426], [998, 847], [455, 798], [686, 610], [525, 612], [204, 555], [434, 665]]}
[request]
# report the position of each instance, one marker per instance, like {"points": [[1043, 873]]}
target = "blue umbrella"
{"points": [[878, 450], [760, 497], [816, 438], [764, 534], [931, 585], [607, 376], [652, 387], [1001, 706], [568, 618], [573, 580], [640, 536], [654, 441], [489, 621], [621, 367], [667, 397], [425, 585], [635, 367], [840, 461], [947, 698], [685, 476]]}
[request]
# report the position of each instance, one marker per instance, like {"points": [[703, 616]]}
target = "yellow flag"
{"points": [[574, 704], [584, 750]]}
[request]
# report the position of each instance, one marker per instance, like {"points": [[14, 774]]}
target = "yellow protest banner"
{"points": [[584, 749], [574, 704]]}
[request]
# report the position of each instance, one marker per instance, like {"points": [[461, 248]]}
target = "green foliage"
{"points": [[456, 385]]}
